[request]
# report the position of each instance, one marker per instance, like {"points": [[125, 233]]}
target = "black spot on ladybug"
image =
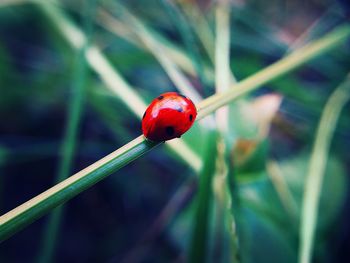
{"points": [[144, 115], [170, 130], [191, 117], [160, 97]]}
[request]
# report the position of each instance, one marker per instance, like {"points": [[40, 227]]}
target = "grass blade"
{"points": [[225, 236], [275, 174], [183, 26], [198, 247], [124, 30], [50, 237], [179, 79], [26, 213], [222, 59], [281, 67], [317, 166], [201, 27]]}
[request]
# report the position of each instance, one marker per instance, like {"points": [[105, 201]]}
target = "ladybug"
{"points": [[168, 116]]}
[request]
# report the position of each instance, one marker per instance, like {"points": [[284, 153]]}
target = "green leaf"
{"points": [[203, 200]]}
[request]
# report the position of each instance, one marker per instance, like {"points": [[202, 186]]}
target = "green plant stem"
{"points": [[199, 242], [225, 224], [222, 61], [31, 210], [51, 233], [317, 167], [225, 237], [23, 215], [276, 70]]}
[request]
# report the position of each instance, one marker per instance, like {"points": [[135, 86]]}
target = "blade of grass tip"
{"points": [[26, 213], [317, 167], [276, 70], [51, 232], [183, 27], [112, 79], [199, 240], [178, 78], [29, 211]]}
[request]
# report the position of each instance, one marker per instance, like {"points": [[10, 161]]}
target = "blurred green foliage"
{"points": [[111, 221]]}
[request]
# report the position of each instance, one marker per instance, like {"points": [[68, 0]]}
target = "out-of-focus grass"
{"points": [[262, 212], [23, 215], [68, 148], [224, 237], [199, 246], [181, 82], [317, 167], [188, 38]]}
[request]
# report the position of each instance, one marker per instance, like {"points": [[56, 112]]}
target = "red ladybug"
{"points": [[168, 116]]}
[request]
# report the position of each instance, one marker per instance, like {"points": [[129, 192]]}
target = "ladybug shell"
{"points": [[168, 116]]}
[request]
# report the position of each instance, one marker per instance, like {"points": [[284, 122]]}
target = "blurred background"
{"points": [[145, 211]]}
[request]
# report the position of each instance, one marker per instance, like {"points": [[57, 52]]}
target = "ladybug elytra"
{"points": [[168, 116]]}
